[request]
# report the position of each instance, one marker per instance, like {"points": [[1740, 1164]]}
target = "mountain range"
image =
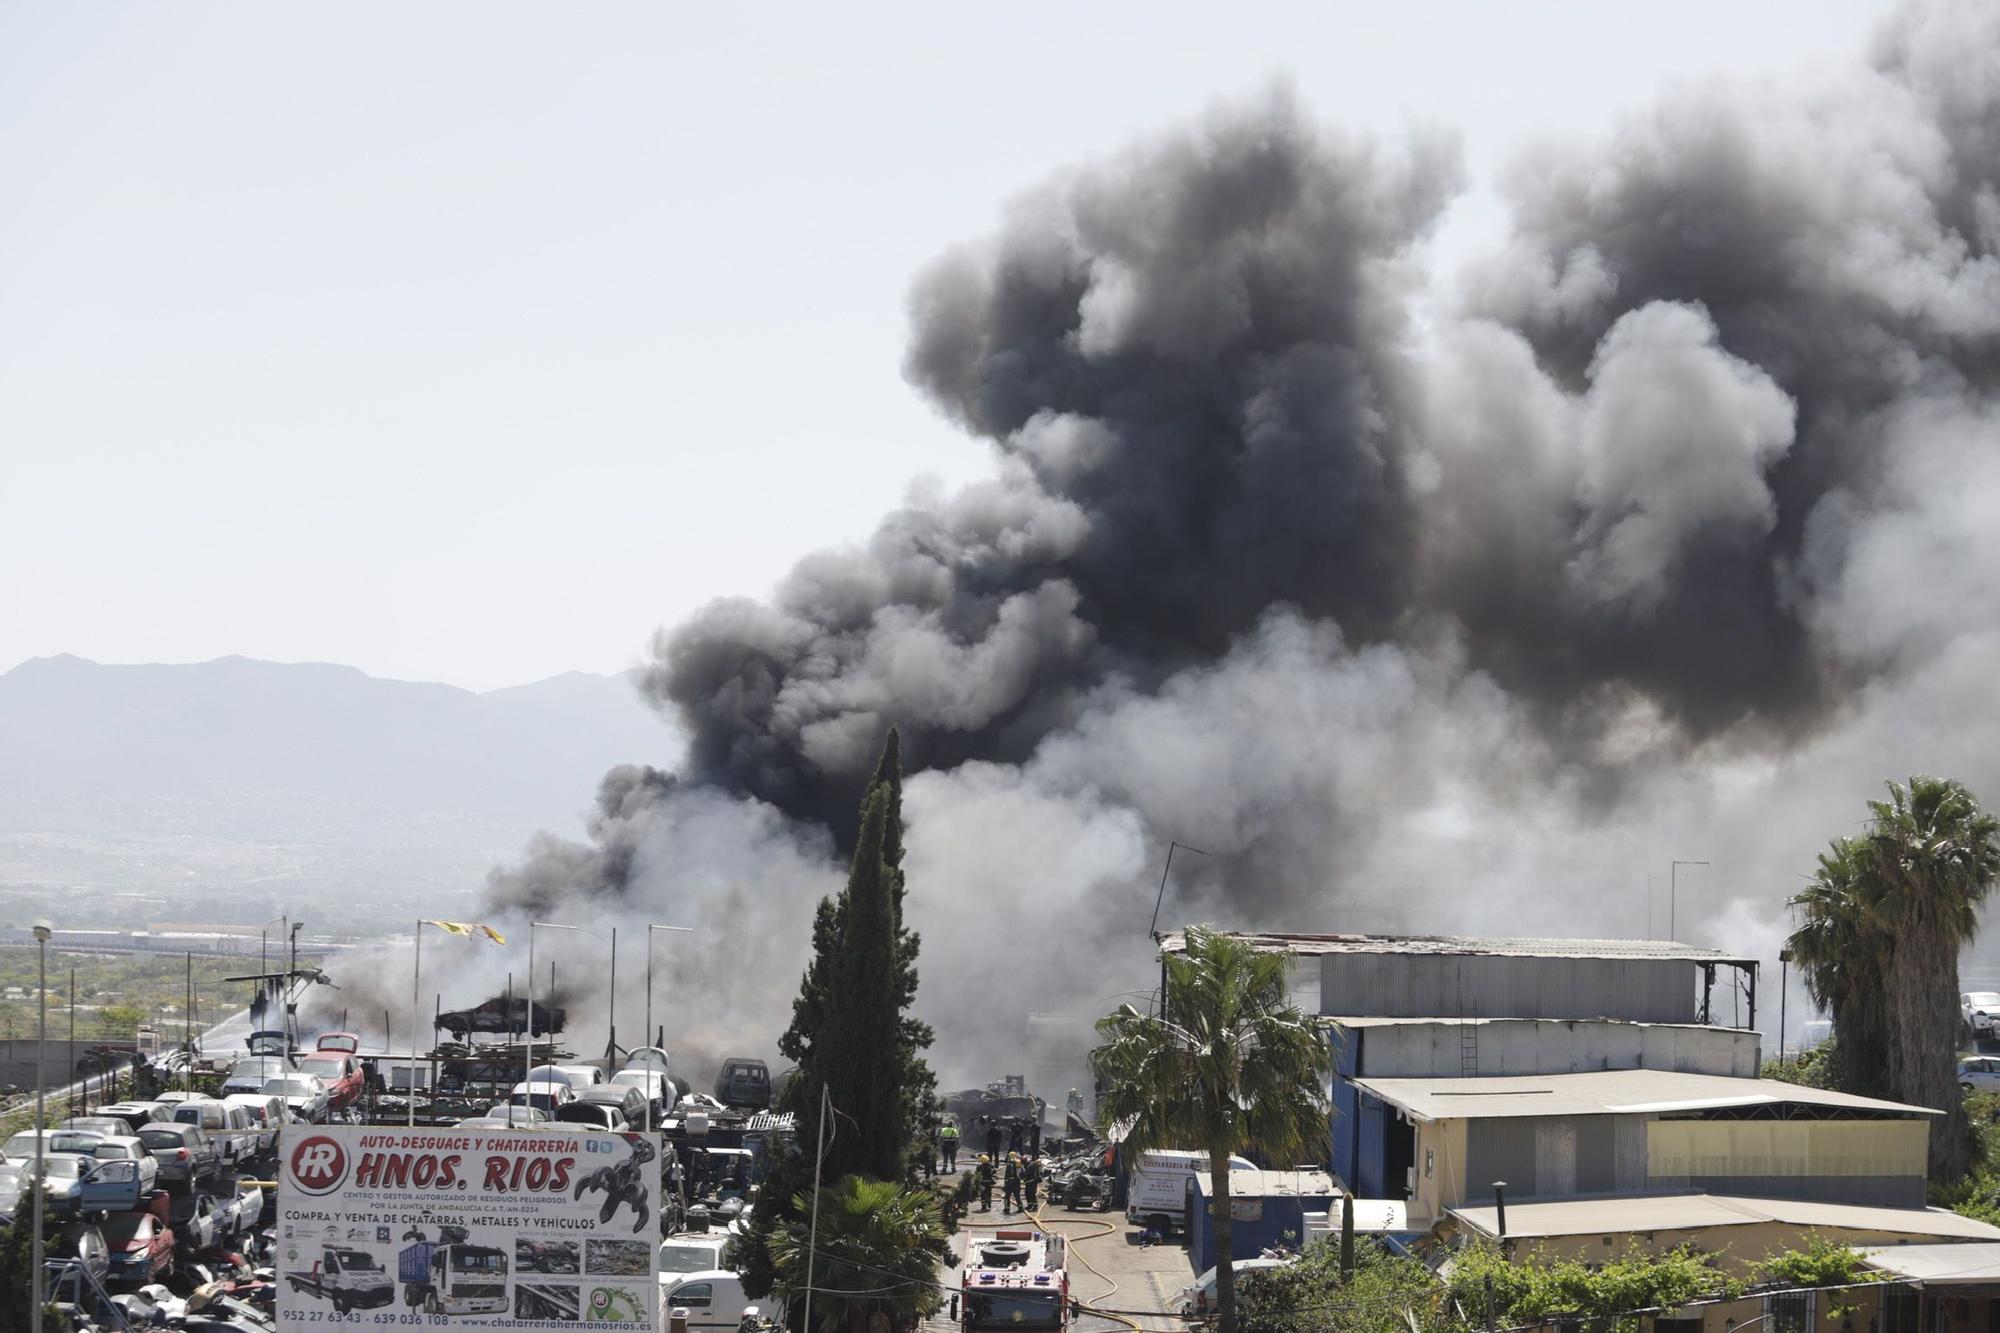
{"points": [[206, 777]]}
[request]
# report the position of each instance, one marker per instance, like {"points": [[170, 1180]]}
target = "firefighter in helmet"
{"points": [[983, 1173]]}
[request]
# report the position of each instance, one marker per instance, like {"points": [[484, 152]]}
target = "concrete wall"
{"points": [[1547, 1046], [1388, 985], [63, 1061]]}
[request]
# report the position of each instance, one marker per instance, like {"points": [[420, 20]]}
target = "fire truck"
{"points": [[1019, 1279]]}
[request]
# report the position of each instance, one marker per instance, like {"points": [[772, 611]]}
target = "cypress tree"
{"points": [[914, 1075], [849, 1033]]}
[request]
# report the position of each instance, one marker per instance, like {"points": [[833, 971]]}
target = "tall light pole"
{"points": [[528, 1051], [1784, 986], [1674, 892], [291, 1029], [36, 1292], [416, 1019], [650, 928]]}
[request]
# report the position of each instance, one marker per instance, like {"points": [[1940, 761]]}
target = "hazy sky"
{"points": [[470, 342]]}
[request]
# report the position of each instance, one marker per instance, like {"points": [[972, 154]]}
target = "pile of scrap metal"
{"points": [[470, 1080], [719, 1156], [1004, 1099], [1080, 1181]]}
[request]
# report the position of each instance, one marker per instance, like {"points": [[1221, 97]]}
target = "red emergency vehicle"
{"points": [[1018, 1279]]}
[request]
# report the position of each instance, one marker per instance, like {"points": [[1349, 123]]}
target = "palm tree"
{"points": [[1934, 855], [1843, 955], [877, 1254], [1230, 1065]]}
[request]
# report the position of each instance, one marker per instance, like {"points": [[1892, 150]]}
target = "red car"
{"points": [[340, 1043], [141, 1243], [340, 1073]]}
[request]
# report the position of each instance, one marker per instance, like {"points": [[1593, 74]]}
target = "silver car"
{"points": [[126, 1147], [303, 1095], [1979, 1073]]}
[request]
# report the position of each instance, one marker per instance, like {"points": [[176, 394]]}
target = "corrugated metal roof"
{"points": [[1175, 941], [1940, 1265], [1379, 1021], [1605, 1092], [1307, 1181], [1608, 1215]]}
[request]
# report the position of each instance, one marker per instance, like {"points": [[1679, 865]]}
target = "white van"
{"points": [[1156, 1194], [713, 1299]]}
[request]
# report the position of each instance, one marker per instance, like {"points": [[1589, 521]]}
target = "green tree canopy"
{"points": [[1934, 854], [851, 1038], [877, 1251], [1881, 928]]}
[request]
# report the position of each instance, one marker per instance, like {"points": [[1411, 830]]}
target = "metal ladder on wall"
{"points": [[1468, 1037]]}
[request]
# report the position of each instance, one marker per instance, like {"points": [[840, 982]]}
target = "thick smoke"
{"points": [[1433, 602]]}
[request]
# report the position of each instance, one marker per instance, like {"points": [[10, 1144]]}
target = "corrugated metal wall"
{"points": [[1860, 1162], [1541, 1156], [1551, 1046], [1650, 990], [1779, 1148]]}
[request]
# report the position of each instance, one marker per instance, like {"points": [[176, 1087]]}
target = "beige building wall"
{"points": [[1785, 1148], [1440, 1170]]}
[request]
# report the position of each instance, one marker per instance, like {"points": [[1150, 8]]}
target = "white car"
{"points": [[303, 1095], [657, 1088], [544, 1093], [269, 1114], [123, 1147], [1980, 1011], [21, 1147], [1979, 1073], [513, 1113]]}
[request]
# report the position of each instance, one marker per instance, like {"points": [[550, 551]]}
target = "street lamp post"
{"points": [[36, 1296], [1674, 891], [291, 1028], [1784, 986], [528, 1051], [650, 928]]}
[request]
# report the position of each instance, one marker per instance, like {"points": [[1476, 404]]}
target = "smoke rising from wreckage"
{"points": [[1666, 525]]}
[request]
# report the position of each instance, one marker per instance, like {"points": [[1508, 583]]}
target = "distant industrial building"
{"points": [[1602, 1082]]}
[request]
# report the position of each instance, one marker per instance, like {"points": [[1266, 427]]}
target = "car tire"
{"points": [[1965, 1087], [339, 1305], [1161, 1223]]}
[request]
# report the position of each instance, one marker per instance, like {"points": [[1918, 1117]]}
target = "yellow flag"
{"points": [[462, 928]]}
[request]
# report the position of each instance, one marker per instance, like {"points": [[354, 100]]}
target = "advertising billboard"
{"points": [[528, 1228]]}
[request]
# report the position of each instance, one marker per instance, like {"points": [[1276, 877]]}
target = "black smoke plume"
{"points": [[1421, 602]]}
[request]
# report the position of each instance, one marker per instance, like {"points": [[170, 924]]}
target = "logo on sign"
{"points": [[319, 1165]]}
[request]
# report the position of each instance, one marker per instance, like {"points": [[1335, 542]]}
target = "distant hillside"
{"points": [[238, 771]]}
